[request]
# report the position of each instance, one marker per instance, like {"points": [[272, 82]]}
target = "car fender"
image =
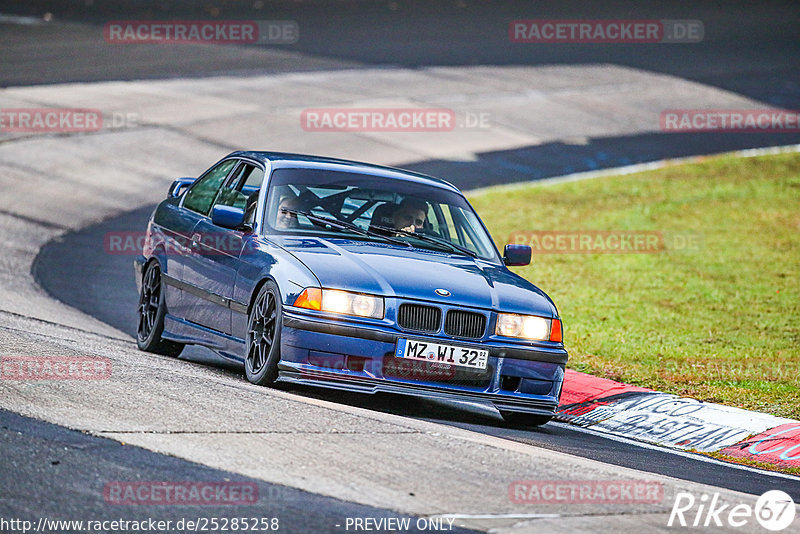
{"points": [[263, 260]]}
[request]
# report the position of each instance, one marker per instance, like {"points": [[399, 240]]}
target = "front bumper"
{"points": [[357, 356]]}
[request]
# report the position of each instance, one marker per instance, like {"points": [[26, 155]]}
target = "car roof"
{"points": [[288, 160]]}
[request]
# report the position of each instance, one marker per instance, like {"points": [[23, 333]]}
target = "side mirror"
{"points": [[227, 216], [517, 255], [179, 186]]}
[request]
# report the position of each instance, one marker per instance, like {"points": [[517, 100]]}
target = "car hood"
{"points": [[389, 270]]}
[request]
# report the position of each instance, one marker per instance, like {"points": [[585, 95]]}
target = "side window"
{"points": [[253, 180], [453, 227], [443, 223], [242, 187], [202, 194]]}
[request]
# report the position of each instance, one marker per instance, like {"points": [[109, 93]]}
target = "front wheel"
{"points": [[151, 311], [525, 420], [263, 347]]}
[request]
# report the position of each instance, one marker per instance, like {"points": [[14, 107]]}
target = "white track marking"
{"points": [[632, 169]]}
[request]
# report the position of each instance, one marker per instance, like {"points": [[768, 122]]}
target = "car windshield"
{"points": [[373, 207]]}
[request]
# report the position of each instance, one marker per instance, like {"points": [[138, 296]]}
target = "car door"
{"points": [[215, 252], [195, 205]]}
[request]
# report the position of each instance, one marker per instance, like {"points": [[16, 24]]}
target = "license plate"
{"points": [[435, 352]]}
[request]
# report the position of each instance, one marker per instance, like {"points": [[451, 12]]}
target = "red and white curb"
{"points": [[642, 414]]}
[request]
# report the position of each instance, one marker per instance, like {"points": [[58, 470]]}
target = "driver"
{"points": [[410, 215]]}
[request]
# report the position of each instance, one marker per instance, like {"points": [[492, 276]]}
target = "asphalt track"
{"points": [[112, 297], [750, 54], [747, 48], [40, 456]]}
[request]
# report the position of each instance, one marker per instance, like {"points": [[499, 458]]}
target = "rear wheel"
{"points": [[263, 347], [152, 309], [525, 420]]}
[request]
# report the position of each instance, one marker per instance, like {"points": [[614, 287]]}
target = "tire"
{"points": [[525, 420], [263, 345], [151, 311]]}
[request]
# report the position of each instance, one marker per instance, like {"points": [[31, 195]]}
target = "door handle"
{"points": [[196, 238]]}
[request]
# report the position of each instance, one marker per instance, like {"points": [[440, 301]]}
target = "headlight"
{"points": [[337, 301], [528, 327]]}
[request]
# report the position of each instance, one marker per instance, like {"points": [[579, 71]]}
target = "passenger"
{"points": [[285, 220]]}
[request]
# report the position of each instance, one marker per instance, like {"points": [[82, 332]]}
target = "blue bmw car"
{"points": [[347, 275]]}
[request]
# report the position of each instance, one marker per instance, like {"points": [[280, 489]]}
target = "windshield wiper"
{"points": [[344, 225], [430, 239]]}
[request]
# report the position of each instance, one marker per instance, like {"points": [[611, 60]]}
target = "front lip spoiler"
{"points": [[558, 356], [369, 385]]}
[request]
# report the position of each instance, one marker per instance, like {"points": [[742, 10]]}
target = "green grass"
{"points": [[719, 323]]}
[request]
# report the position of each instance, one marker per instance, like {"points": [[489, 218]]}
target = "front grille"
{"points": [[419, 318], [464, 324]]}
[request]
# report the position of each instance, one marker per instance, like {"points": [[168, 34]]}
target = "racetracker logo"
{"points": [[586, 492], [54, 368], [268, 32], [417, 370], [50, 120], [201, 244], [181, 493], [605, 31], [606, 241], [774, 510], [377, 120], [730, 120], [389, 367]]}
